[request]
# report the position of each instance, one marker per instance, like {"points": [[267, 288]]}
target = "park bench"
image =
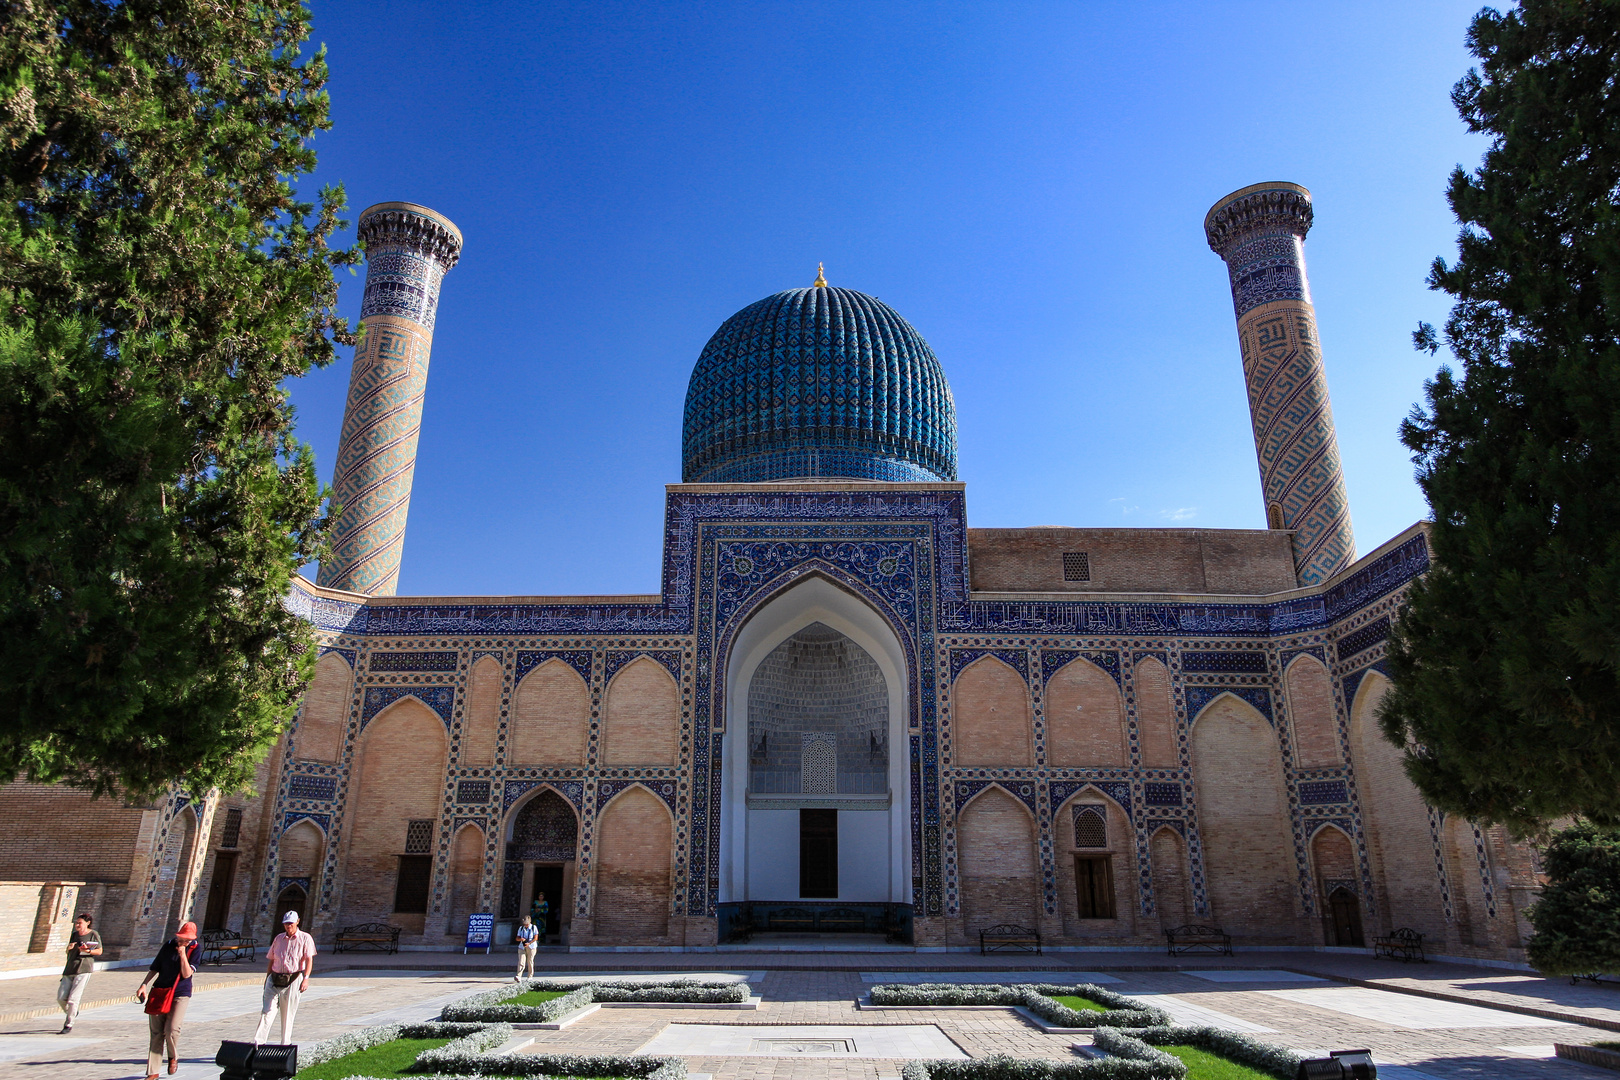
{"points": [[373, 936], [1008, 936], [1185, 939], [792, 919], [1403, 944], [841, 920], [227, 946]]}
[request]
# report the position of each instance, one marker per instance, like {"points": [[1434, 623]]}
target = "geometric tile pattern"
{"points": [[409, 249], [1260, 233]]}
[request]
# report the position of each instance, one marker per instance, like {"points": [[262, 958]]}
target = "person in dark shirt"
{"points": [[170, 981], [82, 950]]}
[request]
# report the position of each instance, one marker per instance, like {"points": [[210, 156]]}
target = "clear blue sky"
{"points": [[1026, 183]]}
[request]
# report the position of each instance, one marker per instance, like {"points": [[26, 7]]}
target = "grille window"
{"points": [[233, 827], [1090, 827], [418, 837], [1076, 566]]}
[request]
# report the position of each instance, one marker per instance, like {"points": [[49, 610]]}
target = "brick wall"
{"points": [[73, 838], [1155, 716], [466, 871], [1121, 853], [990, 718], [1243, 821], [401, 776], [995, 839], [1224, 561], [483, 713], [1171, 896], [1399, 845], [1085, 724], [1310, 705], [320, 726], [642, 721], [551, 717], [635, 850]]}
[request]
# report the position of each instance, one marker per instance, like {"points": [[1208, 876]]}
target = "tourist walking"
{"points": [[82, 951], [291, 961], [170, 981], [527, 937]]}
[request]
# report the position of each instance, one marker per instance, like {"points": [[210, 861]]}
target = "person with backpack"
{"points": [[527, 937], [169, 979]]}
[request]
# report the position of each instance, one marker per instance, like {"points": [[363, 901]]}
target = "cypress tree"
{"points": [[159, 281], [1506, 657]]}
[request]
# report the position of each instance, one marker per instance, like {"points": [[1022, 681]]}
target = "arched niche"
{"points": [[541, 856], [634, 869], [997, 863], [760, 837], [551, 717], [1310, 703], [300, 854], [1243, 822], [466, 874], [1096, 865], [483, 712], [1172, 896], [1155, 714], [320, 721], [990, 716], [1085, 718], [1333, 862], [641, 718]]}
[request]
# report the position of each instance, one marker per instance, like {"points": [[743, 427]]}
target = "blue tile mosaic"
{"points": [[1234, 662], [1365, 638], [1323, 791], [1161, 794], [413, 661], [320, 788]]}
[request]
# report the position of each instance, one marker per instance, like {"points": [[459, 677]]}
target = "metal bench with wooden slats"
{"points": [[792, 919], [1008, 936], [227, 946], [372, 936], [1184, 939], [1403, 944]]}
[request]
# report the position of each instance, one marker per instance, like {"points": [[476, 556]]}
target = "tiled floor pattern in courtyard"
{"points": [[1414, 1037]]}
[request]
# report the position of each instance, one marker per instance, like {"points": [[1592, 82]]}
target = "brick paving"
{"points": [[821, 989]]}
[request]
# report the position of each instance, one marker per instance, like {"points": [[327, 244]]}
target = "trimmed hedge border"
{"points": [[467, 1057], [1133, 1060], [490, 1007], [1121, 1011], [1279, 1061]]}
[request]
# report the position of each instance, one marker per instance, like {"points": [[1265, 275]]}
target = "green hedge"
{"points": [[1279, 1061], [1121, 1011], [492, 1006], [468, 1055], [1131, 1061]]}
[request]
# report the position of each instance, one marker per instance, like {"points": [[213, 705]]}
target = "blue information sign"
{"points": [[480, 931]]}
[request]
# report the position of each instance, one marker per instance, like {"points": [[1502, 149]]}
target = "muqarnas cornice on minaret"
{"points": [[409, 249], [1260, 232]]}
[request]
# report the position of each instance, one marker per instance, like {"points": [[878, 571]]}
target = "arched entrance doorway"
{"points": [[815, 828], [1344, 917], [541, 847]]}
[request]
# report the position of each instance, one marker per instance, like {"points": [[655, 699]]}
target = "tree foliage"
{"points": [[1505, 660], [1577, 918], [159, 280]]}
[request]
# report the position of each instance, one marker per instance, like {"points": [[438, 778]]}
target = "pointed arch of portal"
{"points": [[814, 598]]}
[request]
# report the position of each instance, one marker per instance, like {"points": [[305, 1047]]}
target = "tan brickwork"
{"points": [[1171, 895], [642, 725], [1155, 715], [320, 724], [990, 715], [551, 717], [634, 870], [401, 776], [1121, 853], [1310, 704], [466, 868], [483, 713], [1469, 929], [995, 840], [1085, 723], [1396, 822], [1230, 561], [1243, 820], [1333, 857], [87, 839], [301, 849]]}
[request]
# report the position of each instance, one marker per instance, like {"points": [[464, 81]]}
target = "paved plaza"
{"points": [[1436, 1020]]}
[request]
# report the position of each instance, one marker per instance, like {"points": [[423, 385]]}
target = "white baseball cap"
{"points": [[290, 917]]}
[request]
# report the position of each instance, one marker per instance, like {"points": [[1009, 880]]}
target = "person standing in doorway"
{"points": [[166, 1001], [291, 962], [82, 951], [527, 934], [539, 912]]}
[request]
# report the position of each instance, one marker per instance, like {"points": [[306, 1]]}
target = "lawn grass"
{"points": [[1079, 1004], [535, 997], [1607, 1045], [1203, 1065], [383, 1061]]}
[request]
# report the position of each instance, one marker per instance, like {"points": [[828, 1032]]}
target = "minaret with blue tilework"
{"points": [[408, 250], [1260, 232]]}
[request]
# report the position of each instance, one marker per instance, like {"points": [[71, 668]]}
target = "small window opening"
{"points": [[1090, 827], [1076, 566], [233, 828], [418, 837]]}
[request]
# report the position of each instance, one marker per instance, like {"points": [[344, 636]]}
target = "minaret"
{"points": [[1260, 232], [408, 250]]}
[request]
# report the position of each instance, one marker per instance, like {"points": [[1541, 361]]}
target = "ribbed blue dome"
{"points": [[817, 382]]}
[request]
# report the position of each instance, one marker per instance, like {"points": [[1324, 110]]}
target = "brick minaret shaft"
{"points": [[1260, 232], [408, 250]]}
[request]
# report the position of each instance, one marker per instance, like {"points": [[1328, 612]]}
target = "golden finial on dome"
{"points": [[821, 278]]}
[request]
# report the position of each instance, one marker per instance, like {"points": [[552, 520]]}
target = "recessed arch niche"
{"points": [[824, 630]]}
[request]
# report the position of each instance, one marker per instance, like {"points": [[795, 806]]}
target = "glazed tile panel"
{"points": [[1260, 232], [409, 251]]}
